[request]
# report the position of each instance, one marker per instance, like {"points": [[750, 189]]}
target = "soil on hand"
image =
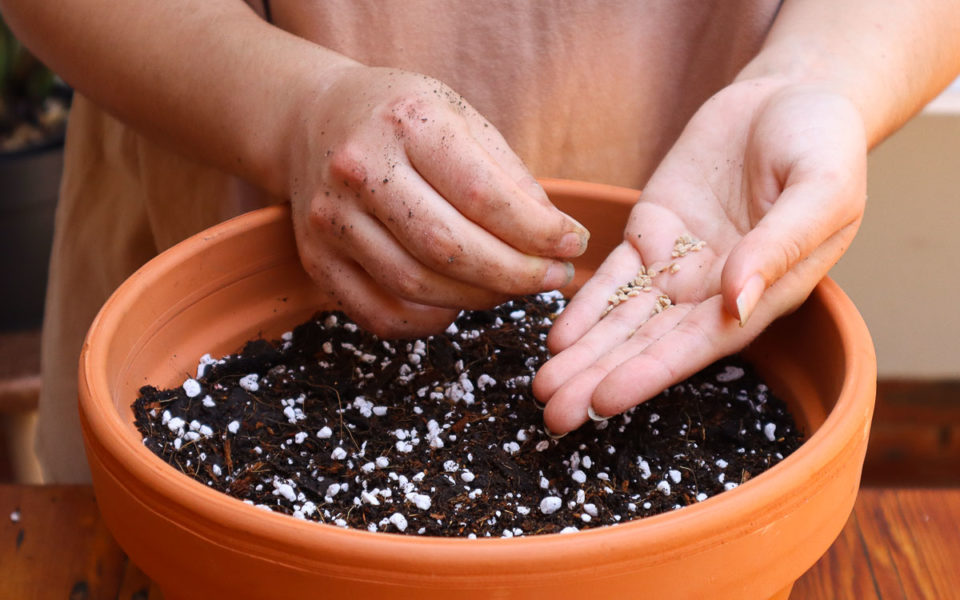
{"points": [[441, 436]]}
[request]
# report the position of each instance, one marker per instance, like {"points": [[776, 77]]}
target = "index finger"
{"points": [[461, 170]]}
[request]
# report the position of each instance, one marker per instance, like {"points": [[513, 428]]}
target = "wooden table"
{"points": [[898, 543]]}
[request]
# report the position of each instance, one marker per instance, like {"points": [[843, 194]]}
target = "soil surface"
{"points": [[442, 436]]}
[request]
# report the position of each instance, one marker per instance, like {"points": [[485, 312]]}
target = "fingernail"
{"points": [[572, 244], [594, 416], [578, 228], [538, 404], [749, 297], [558, 275], [551, 434]]}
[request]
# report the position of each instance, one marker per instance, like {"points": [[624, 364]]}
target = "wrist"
{"points": [[792, 66], [275, 142]]}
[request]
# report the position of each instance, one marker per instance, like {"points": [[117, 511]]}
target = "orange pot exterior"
{"points": [[208, 295]]}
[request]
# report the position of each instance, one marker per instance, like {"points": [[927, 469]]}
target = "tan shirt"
{"points": [[591, 90]]}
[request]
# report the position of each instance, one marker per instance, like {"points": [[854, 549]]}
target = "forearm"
{"points": [[208, 77], [888, 58]]}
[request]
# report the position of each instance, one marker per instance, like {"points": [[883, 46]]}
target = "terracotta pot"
{"points": [[242, 278]]}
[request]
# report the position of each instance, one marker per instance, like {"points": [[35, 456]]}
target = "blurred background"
{"points": [[903, 273]]}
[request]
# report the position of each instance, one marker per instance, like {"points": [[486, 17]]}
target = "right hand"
{"points": [[408, 205]]}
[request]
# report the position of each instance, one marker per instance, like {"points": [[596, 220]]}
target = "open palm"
{"points": [[759, 197]]}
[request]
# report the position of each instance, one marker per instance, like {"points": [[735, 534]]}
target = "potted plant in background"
{"points": [[34, 104]]}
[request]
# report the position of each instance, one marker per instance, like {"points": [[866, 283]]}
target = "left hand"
{"points": [[772, 177]]}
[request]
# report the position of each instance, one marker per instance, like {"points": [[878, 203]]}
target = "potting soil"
{"points": [[442, 436]]}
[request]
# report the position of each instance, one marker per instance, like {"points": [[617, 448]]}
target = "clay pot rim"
{"points": [[215, 515]]}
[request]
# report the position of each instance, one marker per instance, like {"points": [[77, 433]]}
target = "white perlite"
{"points": [[550, 505], [730, 373], [770, 430], [421, 501], [399, 521], [191, 388], [249, 382]]}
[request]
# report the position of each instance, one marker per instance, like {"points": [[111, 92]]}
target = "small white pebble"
{"points": [[674, 475], [324, 433], [590, 509], [570, 529], [721, 463], [233, 426], [300, 436], [338, 453], [664, 488], [579, 476], [467, 476], [208, 401], [382, 462], [15, 516]]}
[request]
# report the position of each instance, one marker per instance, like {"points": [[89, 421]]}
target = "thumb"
{"points": [[803, 218]]}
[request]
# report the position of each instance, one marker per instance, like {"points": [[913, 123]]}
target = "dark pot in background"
{"points": [[29, 184]]}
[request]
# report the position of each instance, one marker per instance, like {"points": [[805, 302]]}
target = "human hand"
{"points": [[772, 178], [409, 205]]}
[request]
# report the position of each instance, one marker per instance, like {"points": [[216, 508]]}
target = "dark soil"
{"points": [[442, 436]]}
